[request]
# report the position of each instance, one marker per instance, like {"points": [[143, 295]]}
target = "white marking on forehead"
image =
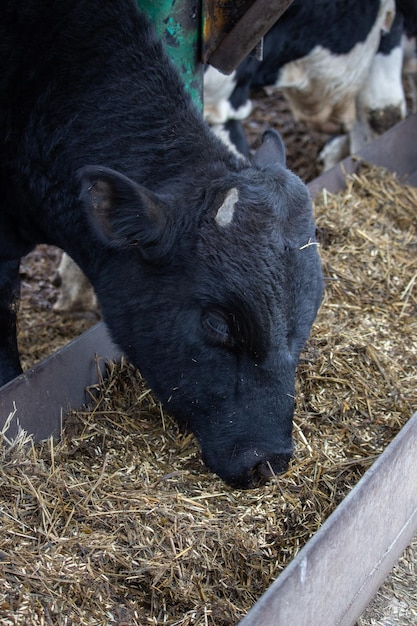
{"points": [[225, 213]]}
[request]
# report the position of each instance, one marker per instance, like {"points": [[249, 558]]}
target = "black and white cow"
{"points": [[337, 62], [381, 102], [204, 264]]}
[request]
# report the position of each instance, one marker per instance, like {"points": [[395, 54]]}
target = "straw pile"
{"points": [[120, 523]]}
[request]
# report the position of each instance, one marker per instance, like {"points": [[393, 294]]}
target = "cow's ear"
{"points": [[125, 214], [272, 150]]}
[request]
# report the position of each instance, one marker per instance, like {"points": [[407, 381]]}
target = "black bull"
{"points": [[204, 264]]}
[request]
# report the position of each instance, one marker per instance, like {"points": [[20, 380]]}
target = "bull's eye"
{"points": [[217, 327]]}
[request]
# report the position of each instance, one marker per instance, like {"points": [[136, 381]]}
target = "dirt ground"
{"points": [[41, 331]]}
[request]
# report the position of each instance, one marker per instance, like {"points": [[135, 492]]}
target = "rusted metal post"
{"points": [[221, 33], [233, 29], [178, 22], [219, 18]]}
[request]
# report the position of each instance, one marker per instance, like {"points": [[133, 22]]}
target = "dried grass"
{"points": [[120, 523]]}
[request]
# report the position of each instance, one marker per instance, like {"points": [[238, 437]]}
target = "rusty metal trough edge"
{"points": [[335, 575], [40, 396]]}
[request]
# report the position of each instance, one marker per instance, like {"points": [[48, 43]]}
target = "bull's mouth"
{"points": [[266, 470], [263, 472], [255, 474]]}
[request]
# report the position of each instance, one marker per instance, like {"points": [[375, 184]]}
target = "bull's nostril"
{"points": [[270, 467], [255, 467]]}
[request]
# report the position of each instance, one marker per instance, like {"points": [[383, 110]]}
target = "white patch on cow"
{"points": [[218, 88], [386, 15], [225, 214], [220, 132], [322, 87], [76, 292], [383, 86], [381, 102]]}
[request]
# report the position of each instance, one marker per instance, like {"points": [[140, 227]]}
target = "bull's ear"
{"points": [[272, 150], [125, 214]]}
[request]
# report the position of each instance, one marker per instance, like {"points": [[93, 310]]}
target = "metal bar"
{"points": [[218, 19], [254, 23], [43, 394]]}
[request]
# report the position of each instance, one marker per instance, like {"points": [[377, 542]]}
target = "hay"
{"points": [[120, 523]]}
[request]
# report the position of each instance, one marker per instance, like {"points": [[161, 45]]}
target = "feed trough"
{"points": [[333, 577]]}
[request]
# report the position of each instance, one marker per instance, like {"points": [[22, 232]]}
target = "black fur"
{"points": [[104, 155]]}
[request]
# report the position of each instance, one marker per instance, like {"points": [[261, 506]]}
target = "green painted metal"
{"points": [[178, 22]]}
